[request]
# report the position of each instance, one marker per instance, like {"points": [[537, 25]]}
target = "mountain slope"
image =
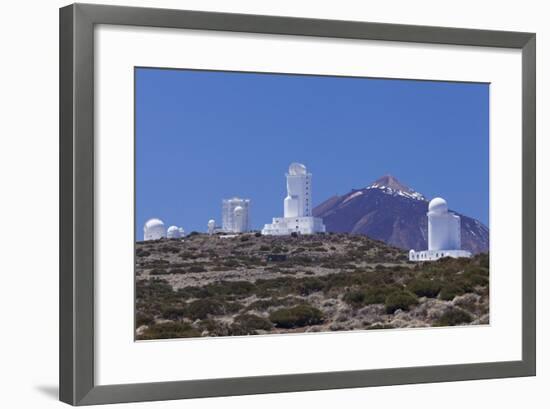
{"points": [[389, 211]]}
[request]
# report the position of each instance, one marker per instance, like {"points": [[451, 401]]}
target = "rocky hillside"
{"points": [[394, 213], [251, 285]]}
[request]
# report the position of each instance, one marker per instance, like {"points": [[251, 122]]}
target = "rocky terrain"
{"points": [[388, 210], [250, 284]]}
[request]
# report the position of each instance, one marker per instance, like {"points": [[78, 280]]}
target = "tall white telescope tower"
{"points": [[444, 237], [298, 185], [297, 206]]}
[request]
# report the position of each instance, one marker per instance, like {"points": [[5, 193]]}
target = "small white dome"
{"points": [[438, 205], [182, 232], [173, 232], [151, 223], [296, 168], [211, 222], [238, 210]]}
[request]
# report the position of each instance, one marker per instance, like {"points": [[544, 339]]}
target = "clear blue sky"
{"points": [[202, 136]]}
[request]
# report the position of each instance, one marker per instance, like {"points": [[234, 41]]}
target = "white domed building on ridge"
{"points": [[174, 232], [235, 215], [154, 229], [297, 206], [444, 237]]}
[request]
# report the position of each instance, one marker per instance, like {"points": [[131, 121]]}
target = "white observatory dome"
{"points": [[154, 229], [173, 232], [152, 223], [296, 168], [438, 205], [238, 210]]}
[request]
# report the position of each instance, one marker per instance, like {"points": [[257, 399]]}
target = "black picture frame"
{"points": [[77, 21]]}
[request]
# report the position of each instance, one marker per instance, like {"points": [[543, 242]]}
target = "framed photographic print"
{"points": [[255, 204]]}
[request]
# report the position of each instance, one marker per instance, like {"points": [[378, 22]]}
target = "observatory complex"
{"points": [[154, 229], [443, 234], [235, 215], [297, 206]]}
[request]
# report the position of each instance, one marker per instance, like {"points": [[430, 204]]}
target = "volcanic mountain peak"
{"points": [[389, 211], [389, 184]]}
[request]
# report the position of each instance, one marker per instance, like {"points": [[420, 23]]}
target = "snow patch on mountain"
{"points": [[388, 190]]}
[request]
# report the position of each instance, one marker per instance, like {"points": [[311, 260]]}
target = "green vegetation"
{"points": [[204, 285], [249, 324], [197, 269], [424, 287], [169, 330], [158, 272], [298, 316], [379, 325], [454, 316], [203, 308], [371, 295], [400, 300], [265, 304]]}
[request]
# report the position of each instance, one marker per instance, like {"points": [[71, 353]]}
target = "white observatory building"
{"points": [[297, 206], [211, 226], [175, 232], [443, 234], [235, 215], [154, 229]]}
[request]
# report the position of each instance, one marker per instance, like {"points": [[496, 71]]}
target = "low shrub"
{"points": [[249, 324], [377, 295], [172, 312], [231, 263], [355, 298], [483, 260], [453, 288], [454, 316], [477, 276], [144, 319], [177, 271], [298, 316], [158, 272], [168, 330], [230, 288], [309, 285], [263, 305], [424, 287], [379, 325], [400, 300], [142, 253], [197, 269], [168, 249], [203, 308], [371, 295]]}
